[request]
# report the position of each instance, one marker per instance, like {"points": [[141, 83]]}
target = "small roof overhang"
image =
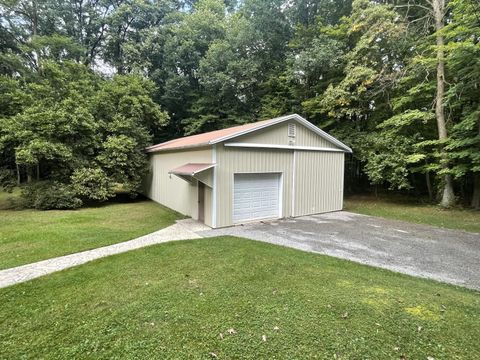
{"points": [[191, 169]]}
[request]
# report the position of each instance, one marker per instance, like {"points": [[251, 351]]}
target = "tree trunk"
{"points": [[476, 191], [29, 174], [18, 175], [429, 185], [38, 171], [448, 196]]}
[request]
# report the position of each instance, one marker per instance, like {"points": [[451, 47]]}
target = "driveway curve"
{"points": [[436, 253]]}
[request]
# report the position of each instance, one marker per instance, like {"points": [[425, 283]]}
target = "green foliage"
{"points": [[128, 118], [92, 184], [398, 148], [77, 124], [7, 180], [48, 195], [389, 158], [463, 60], [12, 98]]}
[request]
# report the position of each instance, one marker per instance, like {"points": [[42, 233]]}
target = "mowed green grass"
{"points": [[30, 235], [408, 210], [172, 301]]}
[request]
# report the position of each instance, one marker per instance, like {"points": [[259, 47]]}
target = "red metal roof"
{"points": [[191, 169], [205, 138], [214, 137]]}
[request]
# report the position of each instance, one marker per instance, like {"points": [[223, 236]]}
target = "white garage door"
{"points": [[256, 196]]}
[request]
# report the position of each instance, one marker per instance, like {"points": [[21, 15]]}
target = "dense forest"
{"points": [[87, 84]]}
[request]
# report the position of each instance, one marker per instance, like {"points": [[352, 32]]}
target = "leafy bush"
{"points": [[7, 180], [48, 195], [92, 183]]}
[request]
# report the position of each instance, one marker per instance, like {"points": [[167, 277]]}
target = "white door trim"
{"points": [[280, 195]]}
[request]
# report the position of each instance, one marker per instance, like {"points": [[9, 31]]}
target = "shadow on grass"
{"points": [[120, 198]]}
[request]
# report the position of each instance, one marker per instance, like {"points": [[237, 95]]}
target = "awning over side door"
{"points": [[194, 171]]}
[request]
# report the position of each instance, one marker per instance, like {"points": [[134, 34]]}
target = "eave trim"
{"points": [[283, 147]]}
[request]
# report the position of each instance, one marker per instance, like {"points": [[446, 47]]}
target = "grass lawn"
{"points": [[29, 235], [407, 210], [172, 301]]}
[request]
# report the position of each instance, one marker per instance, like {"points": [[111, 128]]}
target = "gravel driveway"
{"points": [[436, 253]]}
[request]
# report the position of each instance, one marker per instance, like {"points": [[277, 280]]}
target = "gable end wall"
{"points": [[277, 135]]}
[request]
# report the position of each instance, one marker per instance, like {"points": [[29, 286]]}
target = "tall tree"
{"points": [[438, 7]]}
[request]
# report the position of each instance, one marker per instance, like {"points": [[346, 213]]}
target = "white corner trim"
{"points": [[214, 190], [294, 164], [287, 147]]}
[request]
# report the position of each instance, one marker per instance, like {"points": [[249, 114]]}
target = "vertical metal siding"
{"points": [[236, 160], [172, 191], [306, 137], [278, 135], [318, 182]]}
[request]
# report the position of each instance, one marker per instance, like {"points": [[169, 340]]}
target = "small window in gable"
{"points": [[291, 130]]}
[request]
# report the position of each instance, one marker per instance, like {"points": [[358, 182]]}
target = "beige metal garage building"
{"points": [[282, 167]]}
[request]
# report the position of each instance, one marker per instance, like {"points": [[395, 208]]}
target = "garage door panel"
{"points": [[256, 196]]}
